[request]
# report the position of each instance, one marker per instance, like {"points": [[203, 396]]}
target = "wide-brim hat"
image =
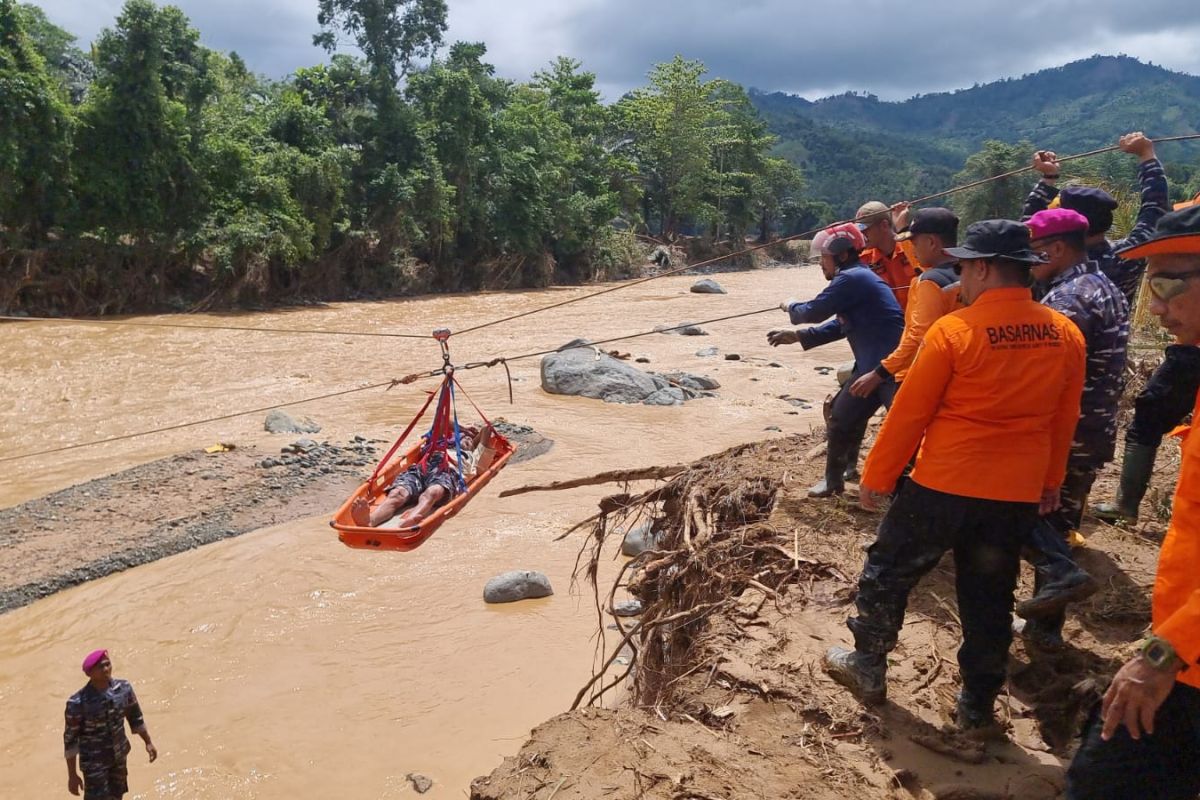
{"points": [[1177, 233], [997, 238]]}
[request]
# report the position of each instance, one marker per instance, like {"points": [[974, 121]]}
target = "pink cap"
{"points": [[1056, 222], [93, 658]]}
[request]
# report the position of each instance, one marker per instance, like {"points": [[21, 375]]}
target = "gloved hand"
{"points": [[786, 305]]}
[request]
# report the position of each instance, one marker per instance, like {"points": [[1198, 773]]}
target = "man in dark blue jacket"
{"points": [[857, 306]]}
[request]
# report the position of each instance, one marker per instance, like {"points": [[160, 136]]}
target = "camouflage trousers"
{"points": [[1168, 397], [918, 529]]}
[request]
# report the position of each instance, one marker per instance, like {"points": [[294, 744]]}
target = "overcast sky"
{"points": [[809, 47]]}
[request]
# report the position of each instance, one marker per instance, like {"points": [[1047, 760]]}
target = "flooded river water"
{"points": [[283, 665]]}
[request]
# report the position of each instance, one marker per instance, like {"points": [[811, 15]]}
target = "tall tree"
{"points": [[35, 129], [997, 199], [672, 141], [390, 33], [135, 149]]}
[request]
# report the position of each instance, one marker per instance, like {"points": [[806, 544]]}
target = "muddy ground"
{"points": [[174, 504], [729, 700]]}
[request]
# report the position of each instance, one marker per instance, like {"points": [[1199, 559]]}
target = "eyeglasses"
{"points": [[1166, 285]]}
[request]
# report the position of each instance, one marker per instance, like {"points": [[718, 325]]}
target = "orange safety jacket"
{"points": [[992, 400], [933, 294], [896, 270], [1175, 614]]}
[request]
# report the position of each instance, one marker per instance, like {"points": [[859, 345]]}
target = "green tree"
{"points": [[136, 145], [35, 130], [672, 142], [390, 33], [996, 199], [70, 65]]}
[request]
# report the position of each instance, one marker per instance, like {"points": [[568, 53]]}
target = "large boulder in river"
{"points": [[585, 372], [707, 286], [670, 396], [517, 585], [280, 422]]}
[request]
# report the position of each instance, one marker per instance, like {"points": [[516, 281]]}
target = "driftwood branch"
{"points": [[615, 476]]}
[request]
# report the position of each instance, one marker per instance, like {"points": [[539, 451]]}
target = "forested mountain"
{"points": [[909, 148]]}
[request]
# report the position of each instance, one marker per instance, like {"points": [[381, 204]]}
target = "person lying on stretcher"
{"points": [[428, 485]]}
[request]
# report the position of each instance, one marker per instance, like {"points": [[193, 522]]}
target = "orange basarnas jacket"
{"points": [[896, 270], [927, 303], [1176, 609], [992, 400]]}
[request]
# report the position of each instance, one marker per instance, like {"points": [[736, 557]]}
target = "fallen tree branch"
{"points": [[614, 476]]}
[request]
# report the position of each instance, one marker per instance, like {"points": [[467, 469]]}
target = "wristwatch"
{"points": [[1159, 653]]}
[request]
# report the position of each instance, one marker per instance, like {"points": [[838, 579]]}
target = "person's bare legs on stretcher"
{"points": [[431, 485]]}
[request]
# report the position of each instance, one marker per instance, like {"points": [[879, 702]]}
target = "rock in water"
{"points": [[280, 422], [670, 396], [419, 782], [707, 286], [638, 540], [707, 352], [585, 373], [699, 383], [627, 608], [517, 585]]}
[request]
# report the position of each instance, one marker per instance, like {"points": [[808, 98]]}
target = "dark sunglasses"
{"points": [[1166, 285]]}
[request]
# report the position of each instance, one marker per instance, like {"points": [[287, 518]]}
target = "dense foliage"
{"points": [[156, 172]]}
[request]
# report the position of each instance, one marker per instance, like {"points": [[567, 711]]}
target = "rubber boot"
{"points": [[839, 447], [864, 675], [975, 718], [1055, 593], [851, 474], [1135, 479]]}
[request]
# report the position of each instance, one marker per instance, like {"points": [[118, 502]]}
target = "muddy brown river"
{"points": [[281, 664]]}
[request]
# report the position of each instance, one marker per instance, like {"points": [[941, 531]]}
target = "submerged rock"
{"points": [[707, 286], [419, 782], [627, 608], [669, 396], [517, 585], [281, 422], [699, 383]]}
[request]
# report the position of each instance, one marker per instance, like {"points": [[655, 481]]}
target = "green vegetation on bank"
{"points": [[156, 173]]}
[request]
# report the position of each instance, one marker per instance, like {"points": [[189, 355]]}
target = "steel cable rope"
{"points": [[383, 384], [78, 321], [505, 360], [802, 235], [194, 423]]}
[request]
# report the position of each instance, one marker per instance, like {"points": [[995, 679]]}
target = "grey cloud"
{"points": [[812, 48]]}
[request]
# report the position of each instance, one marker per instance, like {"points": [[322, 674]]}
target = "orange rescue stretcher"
{"points": [[444, 435]]}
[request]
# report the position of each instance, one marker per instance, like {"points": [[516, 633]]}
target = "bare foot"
{"points": [[360, 512]]}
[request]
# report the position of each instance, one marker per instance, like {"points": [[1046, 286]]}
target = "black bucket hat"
{"points": [[997, 238], [1178, 233]]}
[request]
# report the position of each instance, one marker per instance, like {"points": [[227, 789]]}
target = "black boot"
{"points": [[1135, 479], [1055, 594], [836, 456], [976, 718], [863, 674], [851, 474]]}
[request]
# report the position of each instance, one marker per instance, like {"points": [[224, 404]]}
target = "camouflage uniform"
{"points": [[95, 731], [1127, 275], [1096, 306]]}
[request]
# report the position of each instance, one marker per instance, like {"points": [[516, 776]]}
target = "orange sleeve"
{"points": [[1181, 630], [1066, 418], [924, 309], [915, 405]]}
